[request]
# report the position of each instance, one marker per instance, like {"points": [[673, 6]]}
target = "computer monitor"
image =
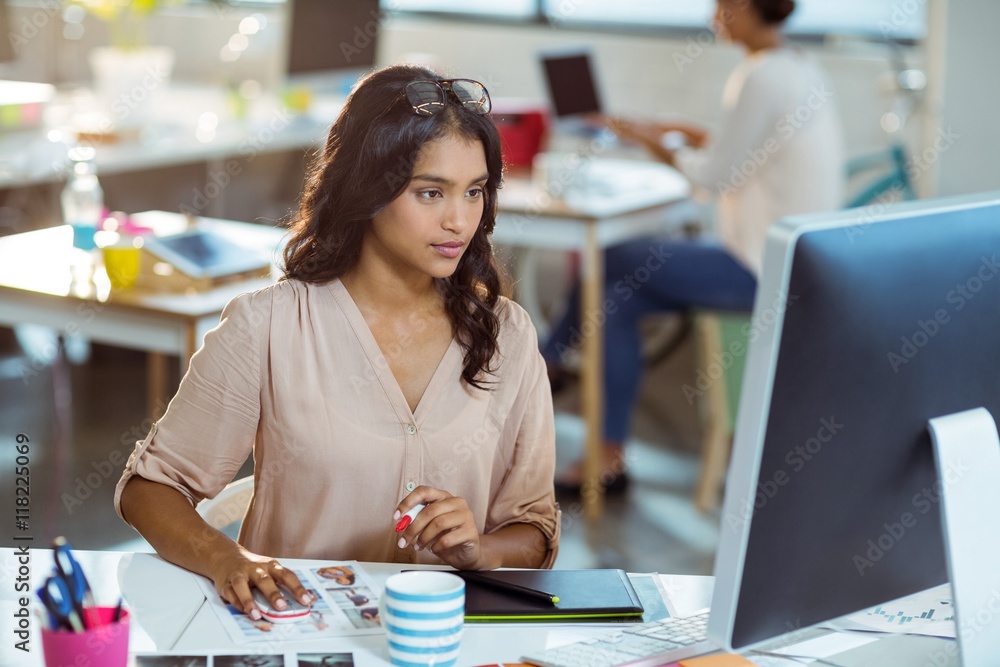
{"points": [[570, 81], [867, 324], [330, 43]]}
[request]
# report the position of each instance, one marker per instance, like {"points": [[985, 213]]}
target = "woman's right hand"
{"points": [[167, 520], [237, 573]]}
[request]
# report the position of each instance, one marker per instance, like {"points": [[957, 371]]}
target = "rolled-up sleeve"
{"points": [[526, 494], [209, 427]]}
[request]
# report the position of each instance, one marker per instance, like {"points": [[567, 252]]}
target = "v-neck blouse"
{"points": [[294, 375]]}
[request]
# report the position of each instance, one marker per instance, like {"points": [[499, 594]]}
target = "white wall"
{"points": [[962, 141]]}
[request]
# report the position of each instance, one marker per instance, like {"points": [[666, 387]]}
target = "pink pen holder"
{"points": [[105, 643]]}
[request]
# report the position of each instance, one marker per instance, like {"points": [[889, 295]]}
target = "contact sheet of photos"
{"points": [[346, 604], [303, 659]]}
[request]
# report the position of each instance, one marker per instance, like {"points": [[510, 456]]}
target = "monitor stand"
{"points": [[967, 452]]}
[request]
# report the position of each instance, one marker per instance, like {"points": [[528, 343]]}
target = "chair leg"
{"points": [[713, 406], [716, 447]]}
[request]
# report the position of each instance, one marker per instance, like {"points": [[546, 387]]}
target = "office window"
{"points": [[518, 9], [893, 19], [672, 13]]}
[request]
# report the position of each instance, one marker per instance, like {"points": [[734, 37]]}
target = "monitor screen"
{"points": [[865, 327], [326, 36], [571, 86]]}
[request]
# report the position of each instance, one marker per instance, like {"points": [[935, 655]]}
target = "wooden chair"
{"points": [[227, 509], [720, 354]]}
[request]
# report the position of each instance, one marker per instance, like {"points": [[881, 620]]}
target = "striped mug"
{"points": [[422, 613]]}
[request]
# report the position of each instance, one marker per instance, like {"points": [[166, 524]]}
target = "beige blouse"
{"points": [[294, 374]]}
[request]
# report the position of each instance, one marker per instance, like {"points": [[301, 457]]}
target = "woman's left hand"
{"points": [[445, 527]]}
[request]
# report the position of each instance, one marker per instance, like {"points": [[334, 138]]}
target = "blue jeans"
{"points": [[642, 277]]}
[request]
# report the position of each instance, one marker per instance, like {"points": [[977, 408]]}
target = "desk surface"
{"points": [[45, 263], [602, 188], [169, 615], [186, 624]]}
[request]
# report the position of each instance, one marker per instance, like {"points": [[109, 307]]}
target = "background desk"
{"points": [[192, 155], [614, 201], [169, 615], [37, 286]]}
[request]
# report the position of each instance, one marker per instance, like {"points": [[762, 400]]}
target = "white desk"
{"points": [[169, 615], [617, 200], [37, 286]]}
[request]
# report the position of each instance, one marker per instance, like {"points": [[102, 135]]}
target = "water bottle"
{"points": [[83, 198]]}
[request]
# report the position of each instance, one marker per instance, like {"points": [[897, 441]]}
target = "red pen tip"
{"points": [[403, 523]]}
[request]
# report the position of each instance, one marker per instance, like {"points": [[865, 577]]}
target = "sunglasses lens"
{"points": [[472, 95], [426, 97]]}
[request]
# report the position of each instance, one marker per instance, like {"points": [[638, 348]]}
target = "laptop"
{"points": [[570, 81]]}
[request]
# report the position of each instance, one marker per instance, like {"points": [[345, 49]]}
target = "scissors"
{"points": [[58, 601], [67, 593]]}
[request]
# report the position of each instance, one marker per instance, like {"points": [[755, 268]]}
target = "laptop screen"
{"points": [[571, 84]]}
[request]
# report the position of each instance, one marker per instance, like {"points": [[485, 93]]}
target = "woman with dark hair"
{"points": [[386, 370], [778, 151]]}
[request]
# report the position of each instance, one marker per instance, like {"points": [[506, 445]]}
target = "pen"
{"points": [[481, 578], [407, 518], [118, 611], [43, 623]]}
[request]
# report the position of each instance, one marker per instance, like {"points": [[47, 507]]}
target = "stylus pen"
{"points": [[513, 588]]}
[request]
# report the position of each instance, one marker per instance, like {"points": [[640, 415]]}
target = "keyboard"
{"points": [[643, 645]]}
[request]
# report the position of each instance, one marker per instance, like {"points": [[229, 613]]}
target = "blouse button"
{"points": [[411, 429], [410, 486]]}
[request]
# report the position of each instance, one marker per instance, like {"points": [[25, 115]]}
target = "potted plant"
{"points": [[126, 20], [130, 72]]}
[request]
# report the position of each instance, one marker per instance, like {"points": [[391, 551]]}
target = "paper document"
{"points": [[301, 659], [655, 601], [928, 613], [347, 604]]}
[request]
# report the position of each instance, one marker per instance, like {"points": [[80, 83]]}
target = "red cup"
{"points": [[105, 645]]}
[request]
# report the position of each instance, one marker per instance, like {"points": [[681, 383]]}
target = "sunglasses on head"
{"points": [[428, 97]]}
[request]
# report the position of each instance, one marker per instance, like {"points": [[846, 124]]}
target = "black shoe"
{"points": [[613, 487], [559, 378]]}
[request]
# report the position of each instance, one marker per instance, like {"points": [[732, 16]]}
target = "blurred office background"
{"points": [[258, 81]]}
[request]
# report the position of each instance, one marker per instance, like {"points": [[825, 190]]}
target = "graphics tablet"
{"points": [[203, 254]]}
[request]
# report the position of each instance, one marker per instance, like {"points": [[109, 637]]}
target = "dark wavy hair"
{"points": [[773, 11], [367, 162]]}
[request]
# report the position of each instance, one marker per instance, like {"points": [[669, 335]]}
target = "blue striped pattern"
{"points": [[424, 650], [424, 621], [406, 632], [426, 616], [404, 663], [434, 597]]}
